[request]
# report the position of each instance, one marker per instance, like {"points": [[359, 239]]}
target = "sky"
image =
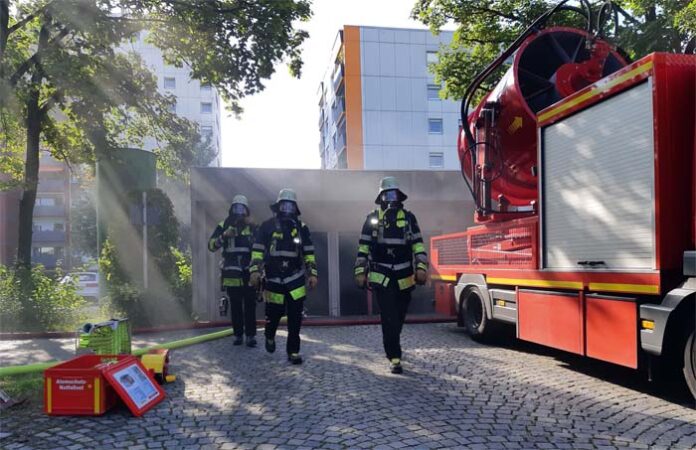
{"points": [[279, 127]]}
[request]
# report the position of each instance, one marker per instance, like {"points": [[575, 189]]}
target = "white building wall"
{"points": [[396, 108], [189, 93]]}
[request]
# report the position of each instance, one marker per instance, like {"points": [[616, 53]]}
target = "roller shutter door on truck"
{"points": [[598, 185]]}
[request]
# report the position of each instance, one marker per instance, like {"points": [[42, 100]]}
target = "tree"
{"points": [[65, 82], [486, 27]]}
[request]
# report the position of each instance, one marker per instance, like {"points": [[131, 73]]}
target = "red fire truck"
{"points": [[582, 169]]}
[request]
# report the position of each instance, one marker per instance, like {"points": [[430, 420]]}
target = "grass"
{"points": [[26, 386]]}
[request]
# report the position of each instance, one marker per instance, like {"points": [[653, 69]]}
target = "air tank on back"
{"points": [[549, 66]]}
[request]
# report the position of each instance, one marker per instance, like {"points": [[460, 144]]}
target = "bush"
{"points": [[31, 300]]}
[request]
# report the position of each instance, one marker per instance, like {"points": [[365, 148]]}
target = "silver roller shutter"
{"points": [[598, 185]]}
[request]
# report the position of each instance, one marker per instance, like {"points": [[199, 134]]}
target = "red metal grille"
{"points": [[510, 244], [452, 251]]}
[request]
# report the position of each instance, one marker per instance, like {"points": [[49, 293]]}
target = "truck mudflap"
{"points": [[652, 336]]}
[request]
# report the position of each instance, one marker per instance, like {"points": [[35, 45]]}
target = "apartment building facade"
{"points": [[379, 106]]}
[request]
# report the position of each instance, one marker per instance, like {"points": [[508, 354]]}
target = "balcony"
{"points": [[337, 77], [49, 211], [51, 186], [338, 109], [52, 236]]}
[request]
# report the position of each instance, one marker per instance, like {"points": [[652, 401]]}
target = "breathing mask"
{"points": [[287, 208], [390, 199]]}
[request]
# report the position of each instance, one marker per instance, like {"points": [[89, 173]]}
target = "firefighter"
{"points": [[235, 236], [283, 250], [390, 246]]}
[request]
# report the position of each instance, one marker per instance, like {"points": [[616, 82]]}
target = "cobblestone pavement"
{"points": [[454, 393]]}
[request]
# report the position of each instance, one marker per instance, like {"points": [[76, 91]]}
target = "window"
{"points": [[172, 108], [169, 83], [433, 92], [435, 126], [206, 87], [206, 108], [431, 57], [46, 201], [436, 160], [58, 227]]}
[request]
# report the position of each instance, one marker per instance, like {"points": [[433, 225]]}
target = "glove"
{"points": [[421, 277], [255, 279], [228, 232], [312, 281], [360, 280]]}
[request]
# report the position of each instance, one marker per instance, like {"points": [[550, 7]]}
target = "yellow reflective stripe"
{"points": [[620, 287], [313, 271], [422, 265], [401, 214], [310, 258], [536, 283], [97, 389], [406, 283], [257, 256], [298, 293], [274, 297], [418, 247], [49, 395], [246, 231], [359, 270], [221, 224], [254, 269], [232, 282], [444, 277], [364, 248], [379, 278], [211, 244]]}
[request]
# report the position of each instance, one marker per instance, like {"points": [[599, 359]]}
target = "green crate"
{"points": [[112, 337]]}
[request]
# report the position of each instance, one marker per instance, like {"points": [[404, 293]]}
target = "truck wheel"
{"points": [[690, 363], [473, 315]]}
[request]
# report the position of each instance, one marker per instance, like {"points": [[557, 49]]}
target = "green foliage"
{"points": [[28, 386], [168, 297], [31, 300], [487, 27]]}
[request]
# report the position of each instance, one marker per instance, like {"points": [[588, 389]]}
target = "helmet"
{"points": [[285, 194], [239, 200], [390, 184]]}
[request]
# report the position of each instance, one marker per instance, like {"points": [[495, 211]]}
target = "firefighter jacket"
{"points": [[236, 251], [390, 245], [283, 249]]}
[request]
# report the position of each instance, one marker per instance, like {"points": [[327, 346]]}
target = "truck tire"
{"points": [[690, 363], [473, 315]]}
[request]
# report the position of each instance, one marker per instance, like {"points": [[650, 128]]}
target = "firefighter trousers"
{"points": [[293, 309], [243, 310], [393, 304]]}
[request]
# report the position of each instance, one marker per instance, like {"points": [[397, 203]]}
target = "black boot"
{"points": [[251, 341], [270, 345], [395, 366], [295, 358], [238, 340]]}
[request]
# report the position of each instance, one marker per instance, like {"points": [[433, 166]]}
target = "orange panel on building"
{"points": [[551, 319], [612, 330], [353, 83]]}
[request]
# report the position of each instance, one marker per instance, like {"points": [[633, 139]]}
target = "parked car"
{"points": [[87, 284]]}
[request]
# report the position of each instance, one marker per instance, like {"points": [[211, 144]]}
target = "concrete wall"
{"points": [[334, 205]]}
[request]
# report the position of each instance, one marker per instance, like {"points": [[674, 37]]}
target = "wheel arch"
{"points": [[670, 316]]}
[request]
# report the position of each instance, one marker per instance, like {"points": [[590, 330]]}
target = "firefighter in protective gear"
{"points": [[235, 235], [391, 261], [283, 250]]}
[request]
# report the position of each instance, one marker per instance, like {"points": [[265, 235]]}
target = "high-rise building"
{"points": [[197, 102], [379, 105], [50, 244]]}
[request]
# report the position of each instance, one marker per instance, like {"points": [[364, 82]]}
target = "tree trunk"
{"points": [[31, 175], [31, 164], [4, 22]]}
